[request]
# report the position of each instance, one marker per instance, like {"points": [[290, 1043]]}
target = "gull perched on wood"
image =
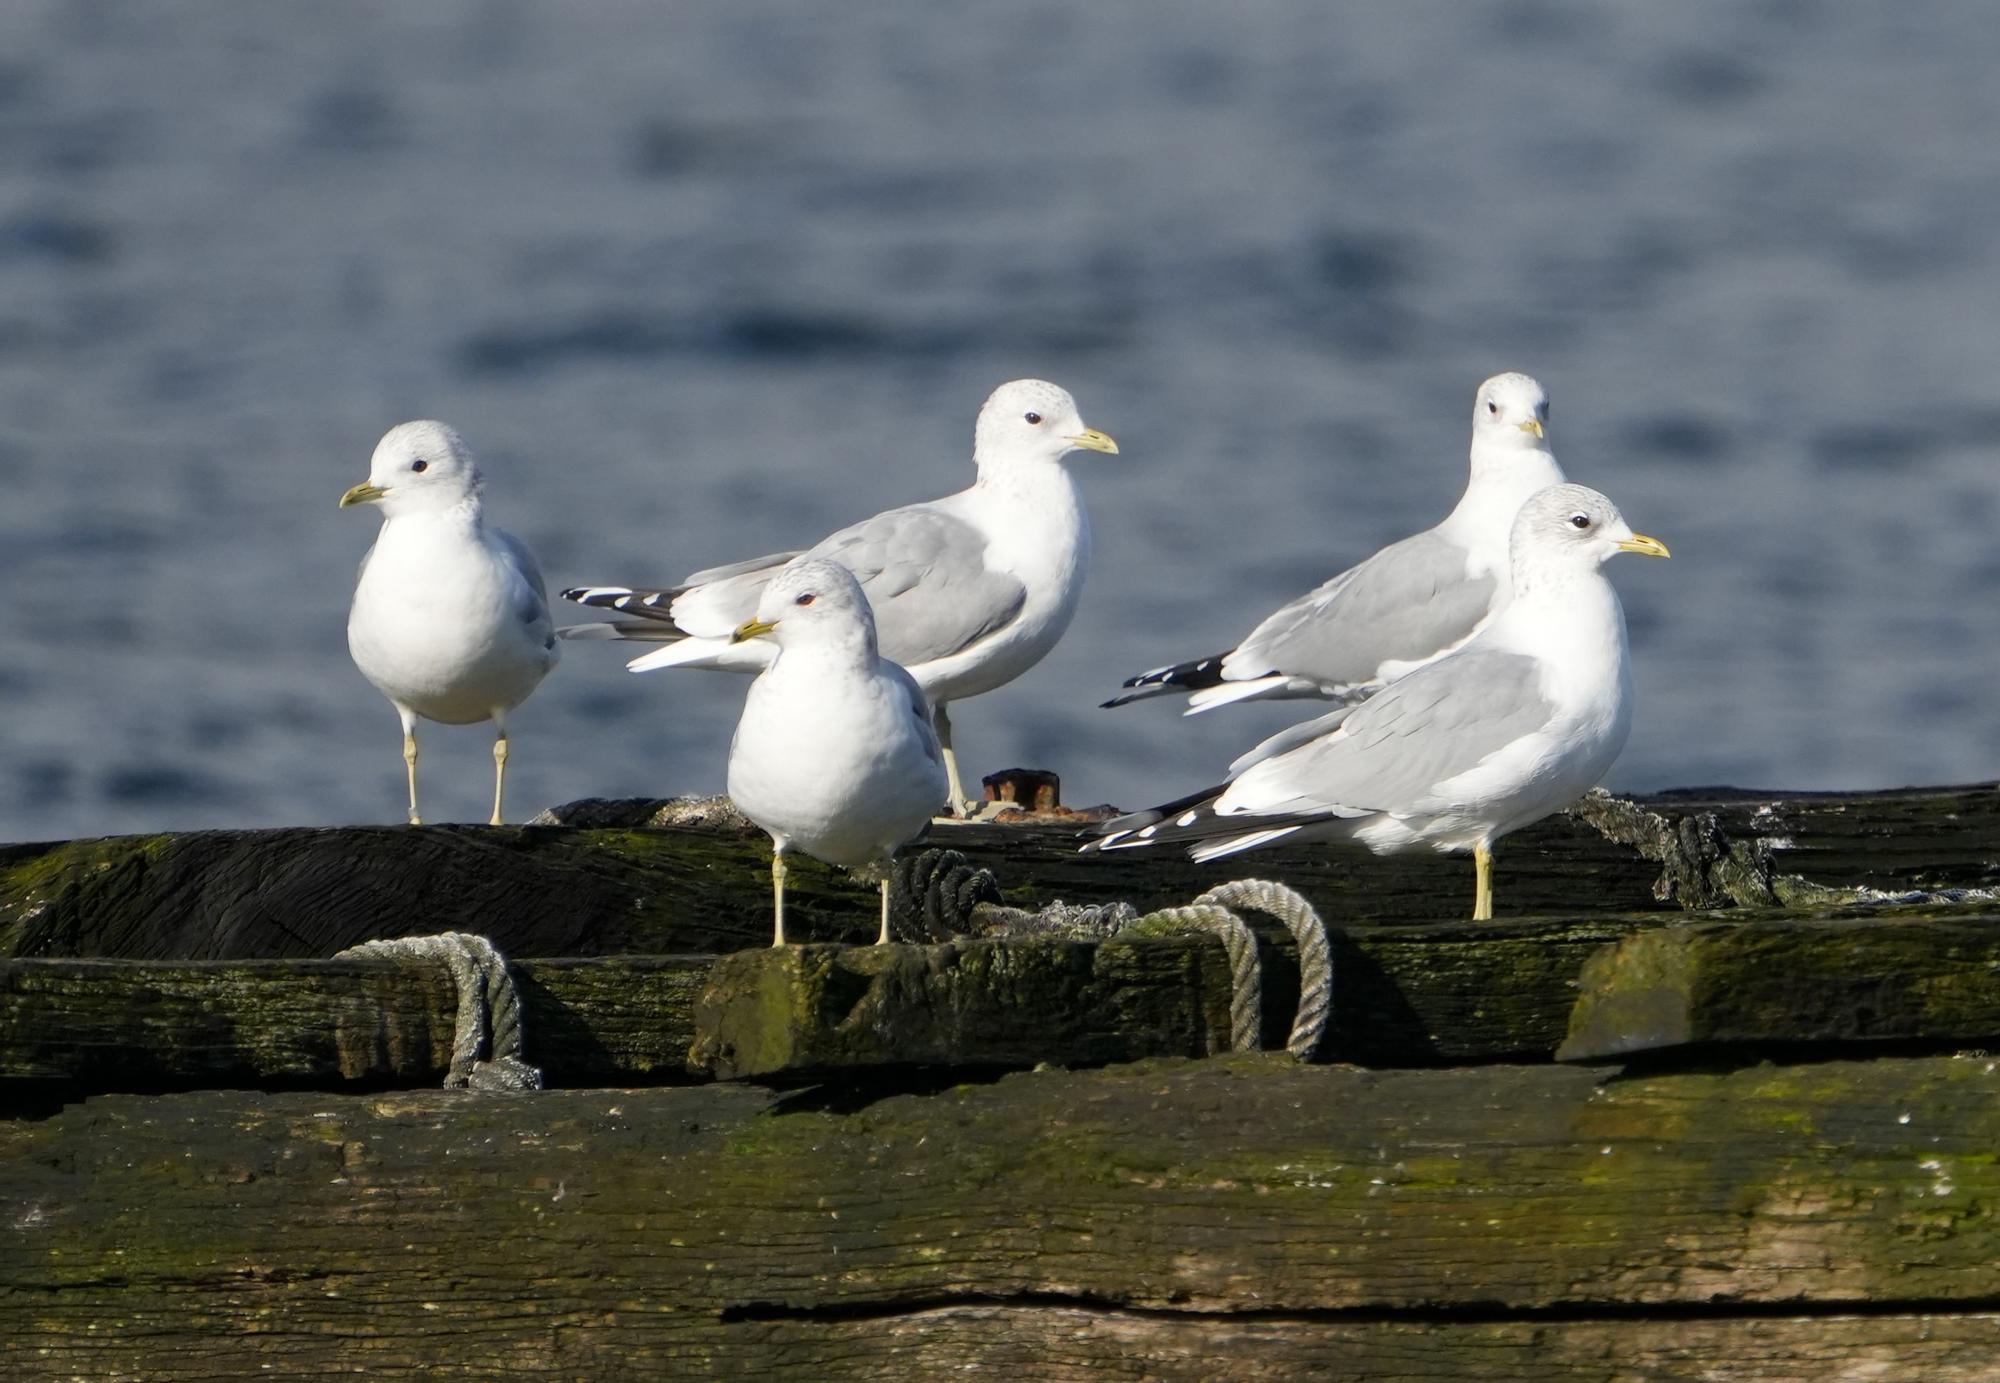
{"points": [[968, 591], [1517, 724], [1410, 603], [835, 753], [450, 618]]}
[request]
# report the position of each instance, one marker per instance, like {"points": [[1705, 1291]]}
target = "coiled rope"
{"points": [[940, 894]]}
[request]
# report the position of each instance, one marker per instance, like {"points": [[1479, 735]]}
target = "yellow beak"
{"points": [[1644, 546], [364, 493], [1533, 425], [1094, 440], [751, 628]]}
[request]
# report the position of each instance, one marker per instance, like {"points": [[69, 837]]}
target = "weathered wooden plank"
{"points": [[571, 891], [1402, 996], [796, 1010], [123, 1025], [1080, 1344], [1931, 979], [722, 1227]]}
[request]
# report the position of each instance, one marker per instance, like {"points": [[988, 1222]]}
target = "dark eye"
{"points": [[420, 464], [1579, 520], [1492, 407], [1034, 417], [806, 599]]}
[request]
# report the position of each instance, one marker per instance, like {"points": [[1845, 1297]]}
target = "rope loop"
{"points": [[1302, 920], [489, 1007]]}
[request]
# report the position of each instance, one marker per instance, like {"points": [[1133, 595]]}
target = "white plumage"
{"points": [[968, 591], [1409, 604], [450, 619], [834, 754], [1520, 722]]}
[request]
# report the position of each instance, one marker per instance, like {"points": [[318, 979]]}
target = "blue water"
{"points": [[701, 281]]}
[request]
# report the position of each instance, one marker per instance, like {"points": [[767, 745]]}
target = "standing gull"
{"points": [[835, 753], [1516, 725], [450, 619], [1410, 603], [969, 591]]}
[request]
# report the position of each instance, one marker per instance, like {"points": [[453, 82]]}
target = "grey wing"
{"points": [[531, 594], [920, 708], [1392, 750], [769, 562], [926, 577], [1409, 602], [1285, 741]]}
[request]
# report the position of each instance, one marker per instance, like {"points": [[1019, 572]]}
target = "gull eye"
{"points": [[1579, 521], [1035, 418], [420, 465], [806, 599]]}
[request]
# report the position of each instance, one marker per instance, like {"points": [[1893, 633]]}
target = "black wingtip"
{"points": [[1197, 674]]}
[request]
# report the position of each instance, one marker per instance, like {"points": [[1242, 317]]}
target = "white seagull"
{"points": [[969, 591], [1516, 725], [450, 618], [835, 753], [1412, 602]]}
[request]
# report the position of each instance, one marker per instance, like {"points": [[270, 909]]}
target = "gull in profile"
{"points": [[1517, 724], [968, 591], [834, 754], [450, 619], [1414, 601]]}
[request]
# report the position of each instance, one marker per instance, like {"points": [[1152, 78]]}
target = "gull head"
{"points": [[812, 602], [417, 467], [1574, 526], [1031, 419], [1511, 410]]}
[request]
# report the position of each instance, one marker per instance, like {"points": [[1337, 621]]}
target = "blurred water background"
{"points": [[705, 281]]}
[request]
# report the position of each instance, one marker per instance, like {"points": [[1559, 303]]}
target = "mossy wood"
{"points": [[1932, 979], [1403, 996], [92, 1025], [1506, 1222], [572, 891]]}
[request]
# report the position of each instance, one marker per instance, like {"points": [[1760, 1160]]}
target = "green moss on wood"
{"points": [[657, 1223], [1792, 981]]}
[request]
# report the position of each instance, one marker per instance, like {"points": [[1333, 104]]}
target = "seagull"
{"points": [[969, 591], [450, 618], [835, 753], [1414, 601], [1517, 724]]}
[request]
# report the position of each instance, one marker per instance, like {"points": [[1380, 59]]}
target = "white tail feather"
{"points": [[1230, 845], [1228, 693], [753, 655]]}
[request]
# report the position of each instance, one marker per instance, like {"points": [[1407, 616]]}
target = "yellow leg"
{"points": [[958, 806], [883, 939], [778, 897], [410, 767], [499, 776], [1482, 892]]}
